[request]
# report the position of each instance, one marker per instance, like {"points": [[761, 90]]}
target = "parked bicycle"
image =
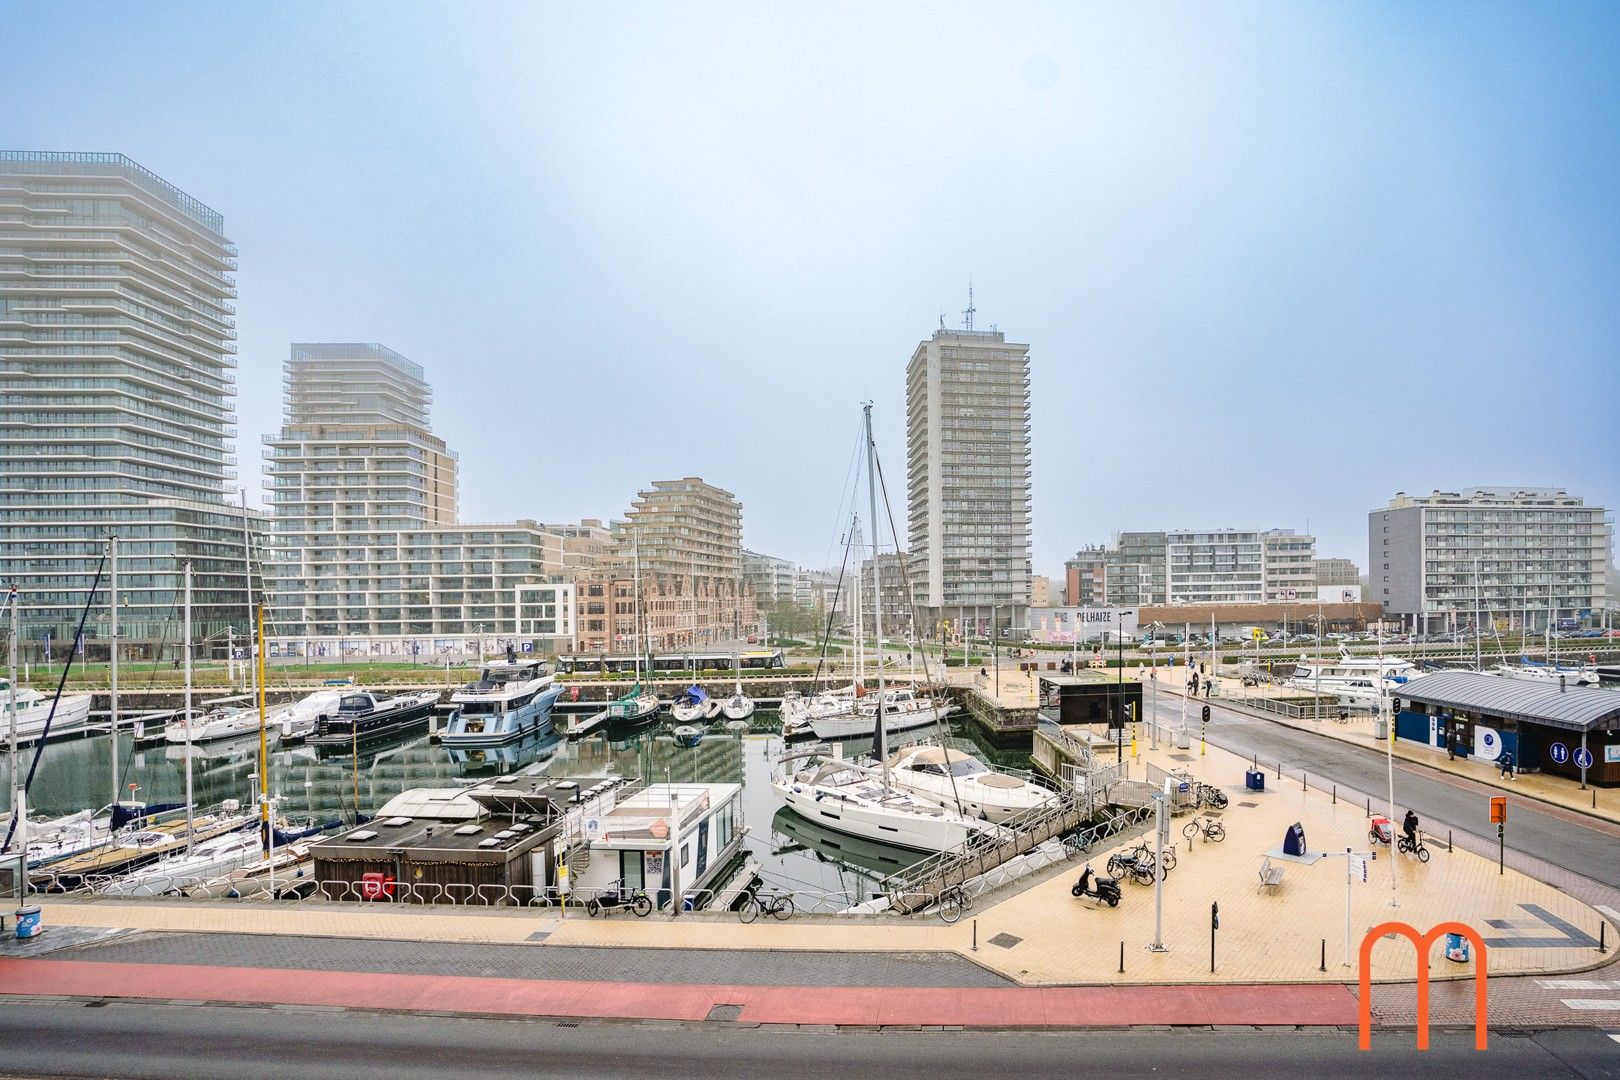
{"points": [[1134, 865], [617, 896], [756, 904], [1212, 829], [953, 902], [1211, 796]]}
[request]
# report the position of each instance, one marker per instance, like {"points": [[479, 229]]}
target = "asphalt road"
{"points": [[206, 1042], [1535, 833]]}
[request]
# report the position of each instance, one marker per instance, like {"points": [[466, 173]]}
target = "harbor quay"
{"points": [[1285, 942]]}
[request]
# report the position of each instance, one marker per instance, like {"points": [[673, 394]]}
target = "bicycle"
{"points": [[1212, 829], [953, 902], [1213, 797], [779, 905], [1415, 847], [1076, 845]]}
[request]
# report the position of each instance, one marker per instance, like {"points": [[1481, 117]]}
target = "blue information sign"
{"points": [[1583, 758], [1558, 752]]}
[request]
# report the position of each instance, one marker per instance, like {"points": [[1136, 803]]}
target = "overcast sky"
{"points": [[1274, 262]]}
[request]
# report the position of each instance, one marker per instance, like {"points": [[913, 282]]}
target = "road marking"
{"points": [[1578, 984], [1605, 909], [1592, 1004], [1616, 1038]]}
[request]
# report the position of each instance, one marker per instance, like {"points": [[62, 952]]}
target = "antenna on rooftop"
{"points": [[967, 316]]}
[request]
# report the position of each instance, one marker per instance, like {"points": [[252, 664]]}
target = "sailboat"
{"points": [[690, 705], [739, 706], [858, 800], [638, 705]]}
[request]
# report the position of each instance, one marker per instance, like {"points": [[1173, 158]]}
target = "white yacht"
{"points": [[847, 798], [298, 719], [216, 723], [903, 709], [797, 709], [958, 780], [176, 873], [512, 699], [1354, 672], [1527, 670], [33, 707]]}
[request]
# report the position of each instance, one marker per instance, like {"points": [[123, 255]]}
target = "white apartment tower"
{"points": [[968, 480], [117, 392], [367, 544]]}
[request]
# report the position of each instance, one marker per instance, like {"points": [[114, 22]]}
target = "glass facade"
{"points": [[117, 385]]}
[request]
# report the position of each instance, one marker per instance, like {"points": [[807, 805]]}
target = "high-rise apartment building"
{"points": [[968, 478], [117, 389], [1525, 556], [586, 545], [367, 545], [685, 538]]}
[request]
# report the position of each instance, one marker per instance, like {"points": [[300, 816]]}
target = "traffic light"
{"points": [[1206, 714]]}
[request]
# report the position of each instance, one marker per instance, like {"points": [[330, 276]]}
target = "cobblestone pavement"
{"points": [[578, 963]]}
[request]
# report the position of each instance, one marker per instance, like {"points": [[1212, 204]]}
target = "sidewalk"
{"points": [[1603, 803], [1034, 932]]}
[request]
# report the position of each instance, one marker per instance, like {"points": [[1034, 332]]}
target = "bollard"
{"points": [[1369, 806], [1594, 798], [1324, 955], [975, 935], [1305, 780], [1335, 794], [1279, 768], [1603, 936], [1448, 841], [1122, 958]]}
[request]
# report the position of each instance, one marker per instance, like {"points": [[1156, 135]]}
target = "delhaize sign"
{"points": [[1062, 624]]}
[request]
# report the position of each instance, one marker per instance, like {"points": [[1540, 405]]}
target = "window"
{"points": [[686, 855]]}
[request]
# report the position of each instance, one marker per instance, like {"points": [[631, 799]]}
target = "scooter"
{"points": [[1106, 889]]}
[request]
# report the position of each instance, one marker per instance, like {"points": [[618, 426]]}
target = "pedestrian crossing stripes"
{"points": [[1580, 984], [1592, 1004]]}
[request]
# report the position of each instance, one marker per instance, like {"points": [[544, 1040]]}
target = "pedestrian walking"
{"points": [[1209, 682], [1195, 684], [1507, 766]]}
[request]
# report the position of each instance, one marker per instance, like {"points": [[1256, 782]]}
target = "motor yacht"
{"points": [[511, 700], [34, 707], [362, 715]]}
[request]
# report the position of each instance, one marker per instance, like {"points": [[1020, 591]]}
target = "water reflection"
{"points": [[794, 854]]}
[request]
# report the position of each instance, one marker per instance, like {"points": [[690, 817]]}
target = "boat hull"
{"points": [[530, 720], [855, 725], [916, 833], [72, 713], [378, 725]]}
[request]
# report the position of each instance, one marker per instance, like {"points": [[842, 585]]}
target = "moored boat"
{"points": [[511, 700]]}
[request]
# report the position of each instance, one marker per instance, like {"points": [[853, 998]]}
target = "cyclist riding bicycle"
{"points": [[1409, 826]]}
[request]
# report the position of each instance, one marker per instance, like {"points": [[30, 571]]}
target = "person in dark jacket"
{"points": [[1409, 826]]}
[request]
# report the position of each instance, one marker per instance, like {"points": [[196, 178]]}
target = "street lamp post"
{"points": [[1119, 640]]}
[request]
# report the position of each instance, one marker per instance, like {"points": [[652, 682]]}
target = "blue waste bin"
{"points": [[28, 921], [1254, 780], [1457, 948]]}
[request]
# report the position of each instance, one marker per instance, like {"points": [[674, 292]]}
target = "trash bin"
{"points": [[28, 921], [1254, 780], [1183, 741], [1457, 948], [1380, 728]]}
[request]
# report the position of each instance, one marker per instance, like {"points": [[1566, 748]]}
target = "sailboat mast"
{"points": [[19, 789], [635, 570], [877, 591], [112, 726], [860, 634], [264, 744], [191, 823], [247, 566]]}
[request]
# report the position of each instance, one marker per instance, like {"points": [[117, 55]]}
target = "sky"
{"points": [[1274, 262]]}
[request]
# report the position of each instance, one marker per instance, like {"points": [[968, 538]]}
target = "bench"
{"points": [[1271, 876]]}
